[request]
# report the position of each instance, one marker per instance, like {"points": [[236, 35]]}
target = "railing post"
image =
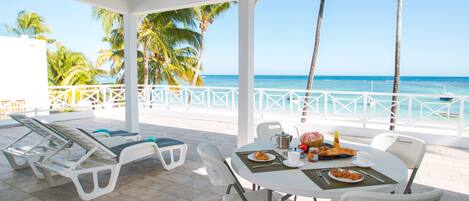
{"points": [[72, 102], [326, 104], [461, 116], [166, 97], [409, 110], [291, 101], [145, 92], [365, 109], [208, 98], [103, 93], [186, 97], [261, 102], [233, 99]]}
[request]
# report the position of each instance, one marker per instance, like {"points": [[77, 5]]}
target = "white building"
{"points": [[23, 77]]}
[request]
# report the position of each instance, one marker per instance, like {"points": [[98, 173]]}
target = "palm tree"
{"points": [[31, 24], [397, 68], [67, 68], [160, 37], [309, 85], [205, 16], [114, 54]]}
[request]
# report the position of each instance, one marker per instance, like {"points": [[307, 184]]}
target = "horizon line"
{"points": [[454, 76]]}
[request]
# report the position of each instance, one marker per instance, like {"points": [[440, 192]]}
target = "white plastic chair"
{"points": [[220, 174], [266, 130], [409, 149], [434, 195]]}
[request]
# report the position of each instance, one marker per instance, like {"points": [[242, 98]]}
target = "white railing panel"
{"points": [[415, 110]]}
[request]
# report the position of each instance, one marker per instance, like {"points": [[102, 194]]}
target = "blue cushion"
{"points": [[103, 130], [161, 142], [121, 133]]}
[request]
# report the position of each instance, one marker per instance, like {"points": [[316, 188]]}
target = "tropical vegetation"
{"points": [[168, 46], [31, 24], [66, 68]]}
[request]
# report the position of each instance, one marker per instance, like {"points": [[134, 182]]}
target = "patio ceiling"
{"points": [[147, 6]]}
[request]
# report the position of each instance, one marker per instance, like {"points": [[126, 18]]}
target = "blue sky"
{"points": [[357, 36]]}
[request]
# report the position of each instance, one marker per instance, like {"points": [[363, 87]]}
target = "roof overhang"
{"points": [[148, 6]]}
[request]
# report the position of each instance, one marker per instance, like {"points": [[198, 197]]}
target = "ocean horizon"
{"points": [[408, 84]]}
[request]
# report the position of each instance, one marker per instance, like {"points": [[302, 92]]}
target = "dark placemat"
{"points": [[368, 181], [250, 164]]}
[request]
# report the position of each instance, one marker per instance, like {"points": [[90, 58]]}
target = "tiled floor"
{"points": [[443, 167]]}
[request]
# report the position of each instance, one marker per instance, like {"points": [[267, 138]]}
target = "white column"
{"points": [[130, 76], [246, 72]]}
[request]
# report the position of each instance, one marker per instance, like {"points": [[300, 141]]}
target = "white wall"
{"points": [[23, 71]]}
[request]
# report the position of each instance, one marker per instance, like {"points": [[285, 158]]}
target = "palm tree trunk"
{"points": [[397, 68], [309, 85], [199, 62], [145, 64]]}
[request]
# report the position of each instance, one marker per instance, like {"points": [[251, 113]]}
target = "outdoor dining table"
{"points": [[295, 182]]}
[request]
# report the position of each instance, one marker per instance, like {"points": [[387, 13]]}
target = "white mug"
{"points": [[293, 157], [363, 157]]}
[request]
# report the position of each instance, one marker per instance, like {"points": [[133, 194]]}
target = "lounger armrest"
{"points": [[137, 151], [113, 141]]}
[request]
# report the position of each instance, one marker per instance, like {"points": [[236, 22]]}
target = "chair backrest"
{"points": [[213, 160], [291, 129], [266, 130], [409, 149], [434, 195], [42, 129], [86, 141]]}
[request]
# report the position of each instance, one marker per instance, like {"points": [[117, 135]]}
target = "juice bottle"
{"points": [[336, 139]]}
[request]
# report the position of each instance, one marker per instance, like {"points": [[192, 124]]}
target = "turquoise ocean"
{"points": [[408, 84]]}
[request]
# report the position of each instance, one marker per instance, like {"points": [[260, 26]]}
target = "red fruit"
{"points": [[303, 147]]}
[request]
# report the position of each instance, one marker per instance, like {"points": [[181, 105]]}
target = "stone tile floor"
{"points": [[443, 167]]}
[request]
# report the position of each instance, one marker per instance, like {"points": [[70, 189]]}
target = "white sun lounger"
{"points": [[16, 151], [100, 157], [21, 156]]}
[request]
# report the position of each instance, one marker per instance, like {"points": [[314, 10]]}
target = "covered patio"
{"points": [[147, 180], [443, 167]]}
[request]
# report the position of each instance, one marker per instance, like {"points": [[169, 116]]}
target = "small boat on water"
{"points": [[447, 96]]}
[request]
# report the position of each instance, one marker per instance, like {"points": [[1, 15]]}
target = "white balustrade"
{"points": [[414, 110]]}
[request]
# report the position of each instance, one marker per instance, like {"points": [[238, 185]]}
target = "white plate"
{"points": [[298, 164], [359, 164], [252, 158], [346, 180]]}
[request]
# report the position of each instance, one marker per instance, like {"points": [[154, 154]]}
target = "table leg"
{"points": [[285, 197], [269, 195]]}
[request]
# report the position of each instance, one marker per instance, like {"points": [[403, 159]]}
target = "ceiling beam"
{"points": [[155, 6], [119, 6]]}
